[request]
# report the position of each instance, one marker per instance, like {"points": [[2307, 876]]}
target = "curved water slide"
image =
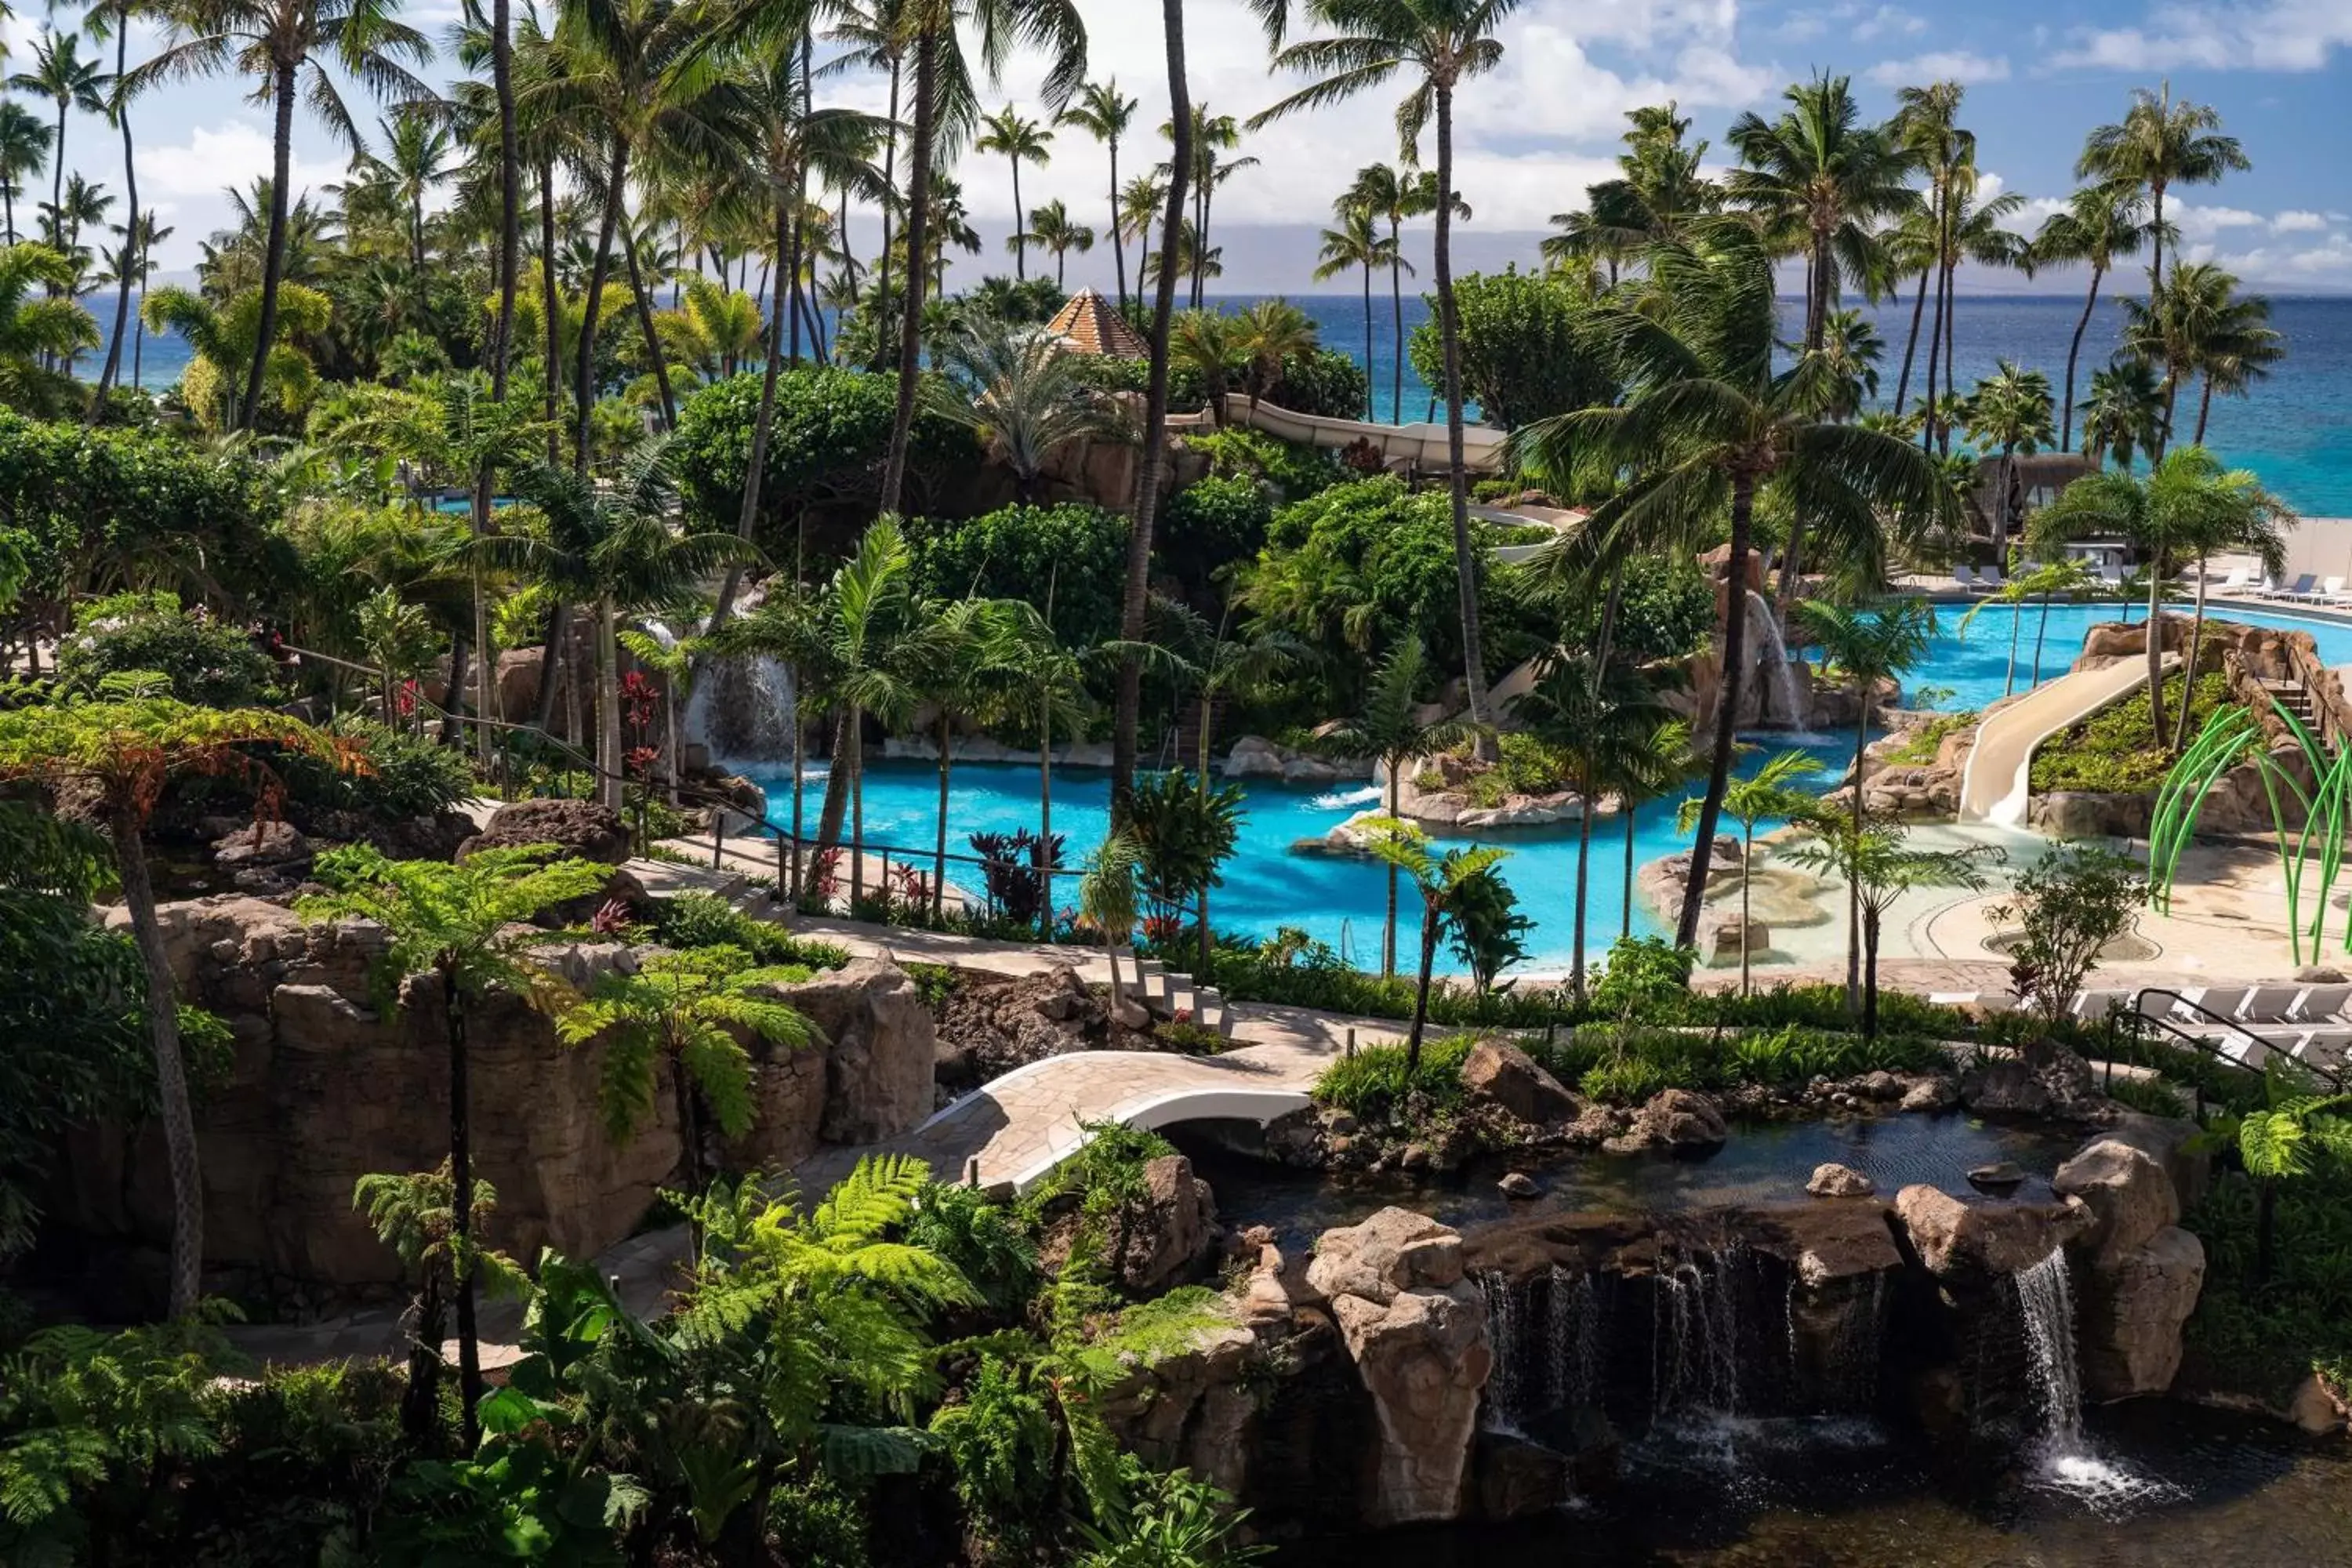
{"points": [[1995, 787], [1422, 444]]}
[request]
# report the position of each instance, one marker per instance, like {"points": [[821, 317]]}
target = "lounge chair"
{"points": [[1990, 579], [2268, 1003], [2246, 1051], [2091, 1006], [2298, 589], [1953, 998], [2323, 1047], [1966, 578], [2111, 579], [2204, 1004], [2240, 577], [2320, 1004], [2331, 591]]}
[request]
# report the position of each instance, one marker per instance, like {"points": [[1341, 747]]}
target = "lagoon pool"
{"points": [[1340, 901]]}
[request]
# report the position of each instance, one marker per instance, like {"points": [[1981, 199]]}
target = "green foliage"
{"points": [[1523, 764], [981, 1239], [1645, 977], [1164, 1326], [818, 1521], [1307, 973], [2117, 750], [1625, 1063], [1184, 833], [705, 919], [1175, 1520], [1529, 345], [1211, 524], [1920, 743], [203, 660], [1070, 557], [2066, 906], [1295, 472], [1486, 928], [825, 450], [1665, 609], [999, 1439], [1373, 1082]]}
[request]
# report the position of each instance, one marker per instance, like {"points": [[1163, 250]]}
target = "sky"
{"points": [[1533, 133]]}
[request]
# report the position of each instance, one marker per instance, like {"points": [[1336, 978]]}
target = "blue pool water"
{"points": [[1339, 900]]}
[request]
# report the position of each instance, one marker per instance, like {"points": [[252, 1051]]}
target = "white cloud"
{"points": [[2299, 223], [1940, 65], [2282, 34], [1850, 20], [1888, 22]]}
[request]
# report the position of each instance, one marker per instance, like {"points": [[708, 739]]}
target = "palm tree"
{"points": [[1388, 729], [2157, 144], [112, 18], [2234, 514], [1106, 898], [1022, 393], [1356, 242], [1267, 336], [1867, 647], [2121, 414], [1820, 180], [1849, 351], [224, 337], [1207, 343], [1139, 200], [2199, 326], [1647, 767], [1710, 424], [942, 104], [24, 146], [2187, 503], [60, 75], [1774, 790], [463, 925], [687, 1010], [38, 334], [2103, 222], [2010, 410], [1444, 882], [288, 46], [1880, 868], [1103, 112], [1037, 681], [1437, 44], [1660, 187], [1052, 227], [123, 754], [1022, 141], [1587, 711], [1926, 126], [1393, 197], [2070, 576]]}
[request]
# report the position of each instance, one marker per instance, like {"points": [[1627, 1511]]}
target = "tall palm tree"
{"points": [[2010, 411], [112, 18], [1659, 187], [1709, 425], [1926, 126], [1646, 767], [1103, 112], [1381, 190], [1022, 141], [1776, 789], [1437, 44], [1820, 181], [2198, 324], [2160, 143], [1445, 884], [874, 38], [1052, 227], [1388, 729], [2102, 223], [1139, 200], [1975, 232], [2122, 412], [1866, 645], [289, 48], [2186, 504], [1356, 242], [944, 116], [24, 146], [1849, 351], [38, 333], [138, 265], [60, 75]]}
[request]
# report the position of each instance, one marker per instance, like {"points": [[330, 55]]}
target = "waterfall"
{"points": [[740, 711], [2045, 1297], [1770, 643], [1694, 1334], [1547, 1335]]}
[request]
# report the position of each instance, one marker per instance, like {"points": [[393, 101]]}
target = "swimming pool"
{"points": [[1341, 899]]}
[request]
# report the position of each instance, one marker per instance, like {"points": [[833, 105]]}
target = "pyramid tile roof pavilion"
{"points": [[1090, 324]]}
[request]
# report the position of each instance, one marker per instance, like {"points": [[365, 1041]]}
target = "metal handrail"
{"points": [[2205, 1044]]}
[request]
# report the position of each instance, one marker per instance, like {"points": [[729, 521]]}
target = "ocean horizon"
{"points": [[2295, 431]]}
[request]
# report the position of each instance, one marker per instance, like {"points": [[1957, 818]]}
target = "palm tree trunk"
{"points": [[890, 190], [2156, 233], [800, 763], [1726, 713], [608, 705], [2074, 353], [1934, 326], [1853, 887], [2156, 642], [273, 266], [2040, 634], [1388, 929], [509, 194], [939, 849], [2016, 624], [1135, 589], [762, 429], [1951, 348], [1020, 225], [1368, 340], [1396, 312], [856, 818], [551, 324], [1870, 976], [1449, 327], [1118, 240], [170, 1072], [1911, 344], [129, 228], [583, 388], [1746, 863], [2204, 407], [1583, 857], [788, 259], [1421, 989], [836, 777], [910, 327], [2188, 665], [1625, 910], [461, 1206], [646, 325]]}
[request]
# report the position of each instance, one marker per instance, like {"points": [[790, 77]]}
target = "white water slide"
{"points": [[1994, 788], [1423, 444]]}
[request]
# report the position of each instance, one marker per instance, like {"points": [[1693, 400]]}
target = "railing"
{"points": [[2206, 1044]]}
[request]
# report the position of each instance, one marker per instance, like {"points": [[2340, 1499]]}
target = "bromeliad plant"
{"points": [[2308, 817]]}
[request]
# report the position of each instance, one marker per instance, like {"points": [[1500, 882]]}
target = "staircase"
{"points": [[1165, 993], [2295, 698]]}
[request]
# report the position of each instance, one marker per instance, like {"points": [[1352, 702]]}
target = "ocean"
{"points": [[2296, 431]]}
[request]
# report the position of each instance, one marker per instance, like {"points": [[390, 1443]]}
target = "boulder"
{"points": [[1726, 935], [1517, 1478], [1175, 1232], [1999, 1176], [1498, 1073], [2087, 814], [1395, 1250], [1933, 1093], [1675, 1118], [1518, 1184], [1424, 1355], [2135, 1302], [882, 1049], [2128, 1194], [581, 829], [1962, 1238], [2042, 1079], [1836, 1181], [263, 844]]}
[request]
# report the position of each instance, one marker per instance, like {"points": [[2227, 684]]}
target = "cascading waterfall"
{"points": [[1547, 1334], [1695, 1338], [2045, 1297], [1772, 647], [740, 711]]}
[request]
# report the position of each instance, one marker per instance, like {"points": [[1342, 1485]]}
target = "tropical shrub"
{"points": [[1209, 525], [1529, 347], [1184, 833], [1486, 927], [200, 659], [1373, 1082], [2067, 906], [1069, 558], [1644, 977], [2116, 752], [406, 776], [705, 919], [1920, 743], [1665, 609]]}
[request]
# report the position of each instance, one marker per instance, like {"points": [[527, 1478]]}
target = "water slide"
{"points": [[1994, 788], [1422, 444]]}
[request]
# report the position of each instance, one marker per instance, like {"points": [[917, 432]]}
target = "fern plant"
{"points": [[412, 1212]]}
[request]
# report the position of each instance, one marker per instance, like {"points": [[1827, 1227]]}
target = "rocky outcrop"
{"points": [[1174, 1235], [2041, 1079], [1498, 1073], [2091, 813], [1417, 1333], [1255, 757], [990, 1024], [322, 1086], [882, 1049], [1973, 1240], [1671, 1119], [2141, 1271], [581, 830]]}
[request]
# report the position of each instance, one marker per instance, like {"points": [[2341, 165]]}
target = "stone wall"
{"points": [[324, 1087]]}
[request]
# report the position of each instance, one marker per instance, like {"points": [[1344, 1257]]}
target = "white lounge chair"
{"points": [[2240, 577], [2203, 1004], [2298, 589], [2091, 1006], [2331, 591], [2320, 1004], [2243, 1049], [2110, 577], [2323, 1047], [2268, 1003]]}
